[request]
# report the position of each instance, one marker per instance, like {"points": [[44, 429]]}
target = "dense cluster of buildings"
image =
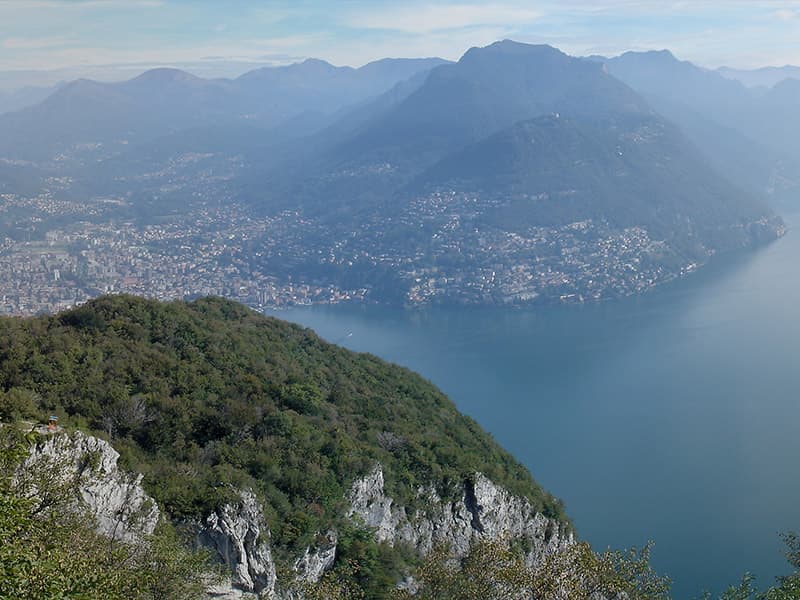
{"points": [[436, 249], [202, 253]]}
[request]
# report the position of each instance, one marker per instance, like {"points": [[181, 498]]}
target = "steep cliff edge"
{"points": [[480, 509]]}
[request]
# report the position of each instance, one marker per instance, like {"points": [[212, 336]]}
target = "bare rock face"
{"points": [[481, 509], [116, 499], [240, 538], [312, 565]]}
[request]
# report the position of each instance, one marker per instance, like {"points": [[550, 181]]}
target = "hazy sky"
{"points": [[221, 34]]}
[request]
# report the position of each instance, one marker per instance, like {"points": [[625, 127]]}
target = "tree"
{"points": [[18, 403], [492, 569]]}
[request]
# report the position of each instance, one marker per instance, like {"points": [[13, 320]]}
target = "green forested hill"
{"points": [[634, 170], [208, 396]]}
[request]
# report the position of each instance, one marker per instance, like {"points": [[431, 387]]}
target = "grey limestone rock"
{"points": [[115, 498], [313, 564], [239, 537], [481, 508]]}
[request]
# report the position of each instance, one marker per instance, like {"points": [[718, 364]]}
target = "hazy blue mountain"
{"points": [[659, 73], [314, 85], [675, 86], [508, 163], [17, 99], [776, 119], [268, 146], [763, 77], [734, 126], [638, 170], [107, 116], [91, 113], [486, 91]]}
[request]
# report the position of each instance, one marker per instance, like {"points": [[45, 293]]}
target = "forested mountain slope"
{"points": [[206, 395]]}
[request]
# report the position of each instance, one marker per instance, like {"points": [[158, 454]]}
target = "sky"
{"points": [[45, 40]]}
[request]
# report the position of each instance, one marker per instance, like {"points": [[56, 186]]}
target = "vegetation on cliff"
{"points": [[209, 396]]}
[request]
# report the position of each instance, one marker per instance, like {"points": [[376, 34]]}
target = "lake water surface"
{"points": [[671, 417]]}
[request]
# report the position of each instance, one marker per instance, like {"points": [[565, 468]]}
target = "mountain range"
{"points": [[17, 99], [516, 173], [162, 101], [537, 140], [763, 77]]}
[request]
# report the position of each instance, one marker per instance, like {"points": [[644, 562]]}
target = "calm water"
{"points": [[672, 417]]}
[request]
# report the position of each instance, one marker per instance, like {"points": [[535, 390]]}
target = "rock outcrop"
{"points": [[116, 499], [312, 565], [481, 508], [239, 537]]}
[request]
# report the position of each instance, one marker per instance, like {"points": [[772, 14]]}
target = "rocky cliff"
{"points": [[480, 508], [239, 537], [115, 498]]}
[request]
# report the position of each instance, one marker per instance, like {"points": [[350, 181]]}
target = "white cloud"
{"points": [[414, 18]]}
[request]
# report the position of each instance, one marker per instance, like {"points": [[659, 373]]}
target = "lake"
{"points": [[671, 417]]}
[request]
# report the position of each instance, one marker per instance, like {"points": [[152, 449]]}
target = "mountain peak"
{"points": [[662, 58], [511, 48], [316, 65], [309, 67], [79, 89], [164, 75], [663, 54]]}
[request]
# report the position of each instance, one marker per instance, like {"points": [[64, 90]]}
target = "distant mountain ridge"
{"points": [[763, 77], [17, 99], [165, 100], [749, 135], [486, 91]]}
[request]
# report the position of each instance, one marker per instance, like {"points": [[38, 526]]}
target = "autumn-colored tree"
{"points": [[493, 569]]}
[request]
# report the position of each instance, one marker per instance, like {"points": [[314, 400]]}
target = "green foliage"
{"points": [[208, 396], [493, 569], [18, 404], [338, 584], [375, 568], [167, 570]]}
